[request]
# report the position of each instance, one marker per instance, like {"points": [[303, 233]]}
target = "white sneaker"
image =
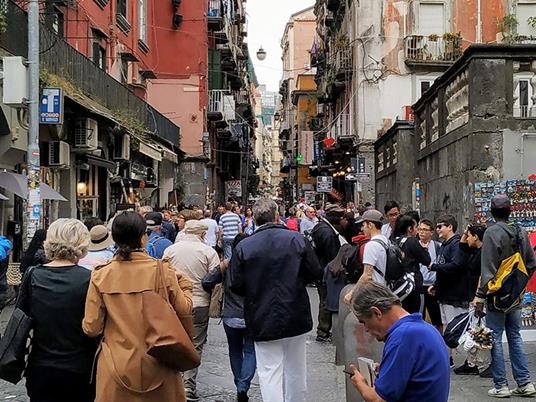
{"points": [[525, 390], [503, 392]]}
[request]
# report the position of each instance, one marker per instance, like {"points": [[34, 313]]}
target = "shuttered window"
{"points": [[432, 19]]}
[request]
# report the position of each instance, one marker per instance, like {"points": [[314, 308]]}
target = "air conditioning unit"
{"points": [[122, 147], [86, 134], [59, 154]]}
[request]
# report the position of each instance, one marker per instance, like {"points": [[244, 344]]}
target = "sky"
{"points": [[266, 23]]}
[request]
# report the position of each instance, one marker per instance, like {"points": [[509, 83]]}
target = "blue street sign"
{"points": [[51, 108]]}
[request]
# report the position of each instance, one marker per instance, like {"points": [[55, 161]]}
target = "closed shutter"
{"points": [[524, 12], [215, 75], [431, 19]]}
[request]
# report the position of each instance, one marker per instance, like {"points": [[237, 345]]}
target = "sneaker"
{"points": [[502, 392], [451, 362], [466, 369], [242, 397], [526, 390], [323, 339], [191, 395], [487, 373]]}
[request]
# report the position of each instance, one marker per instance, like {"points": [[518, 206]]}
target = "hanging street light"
{"points": [[261, 54]]}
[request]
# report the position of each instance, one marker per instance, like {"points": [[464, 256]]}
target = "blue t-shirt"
{"points": [[415, 363]]}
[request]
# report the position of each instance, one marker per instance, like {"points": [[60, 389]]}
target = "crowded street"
{"points": [[267, 201]]}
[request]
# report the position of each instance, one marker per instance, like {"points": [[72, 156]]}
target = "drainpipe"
{"points": [[478, 22]]}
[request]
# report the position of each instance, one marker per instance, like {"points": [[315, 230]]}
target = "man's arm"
{"points": [[311, 268], [368, 393], [366, 277], [237, 274], [489, 263]]}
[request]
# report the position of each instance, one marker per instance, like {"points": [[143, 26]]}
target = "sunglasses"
{"points": [[440, 225]]}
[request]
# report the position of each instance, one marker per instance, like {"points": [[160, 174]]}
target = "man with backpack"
{"points": [[157, 243], [327, 242], [505, 247]]}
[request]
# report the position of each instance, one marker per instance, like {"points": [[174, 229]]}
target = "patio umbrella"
{"points": [[18, 184]]}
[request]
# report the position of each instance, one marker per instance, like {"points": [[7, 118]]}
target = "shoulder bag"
{"points": [[15, 344], [165, 336]]}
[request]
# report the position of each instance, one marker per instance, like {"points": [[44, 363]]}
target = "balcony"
{"points": [[341, 130], [221, 105], [433, 49], [215, 15]]}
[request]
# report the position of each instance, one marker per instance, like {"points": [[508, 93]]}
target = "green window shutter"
{"points": [[215, 75]]}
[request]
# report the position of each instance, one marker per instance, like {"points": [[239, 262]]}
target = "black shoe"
{"points": [[242, 397], [486, 373], [323, 339], [466, 369]]}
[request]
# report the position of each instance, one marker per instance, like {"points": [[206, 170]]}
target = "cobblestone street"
{"points": [[325, 380]]}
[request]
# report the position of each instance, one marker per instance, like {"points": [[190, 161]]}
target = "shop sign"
{"points": [[51, 107], [233, 188], [324, 184]]}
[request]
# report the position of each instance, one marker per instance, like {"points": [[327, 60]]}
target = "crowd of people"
{"points": [[85, 284]]}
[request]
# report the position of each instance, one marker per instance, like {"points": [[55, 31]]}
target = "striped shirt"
{"points": [[229, 223]]}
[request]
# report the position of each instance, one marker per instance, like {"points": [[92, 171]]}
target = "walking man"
{"points": [[271, 269], [157, 243], [230, 225], [194, 259], [212, 229], [499, 243]]}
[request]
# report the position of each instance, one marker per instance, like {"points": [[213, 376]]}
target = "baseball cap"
{"points": [[371, 215], [153, 219], [333, 209], [500, 201], [195, 227]]}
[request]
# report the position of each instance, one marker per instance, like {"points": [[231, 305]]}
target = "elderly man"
{"points": [[309, 221], [271, 269], [194, 259], [415, 361]]}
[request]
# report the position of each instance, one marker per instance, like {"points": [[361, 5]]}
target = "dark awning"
{"points": [[96, 161]]}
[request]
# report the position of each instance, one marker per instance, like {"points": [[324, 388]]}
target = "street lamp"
{"points": [[277, 116], [261, 54]]}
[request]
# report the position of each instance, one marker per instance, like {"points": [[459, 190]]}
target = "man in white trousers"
{"points": [[270, 269]]}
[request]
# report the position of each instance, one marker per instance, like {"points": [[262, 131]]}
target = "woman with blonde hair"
{"points": [[53, 295], [125, 372]]}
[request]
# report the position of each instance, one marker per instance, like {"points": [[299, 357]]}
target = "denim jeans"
{"points": [[228, 248], [242, 357], [510, 322]]}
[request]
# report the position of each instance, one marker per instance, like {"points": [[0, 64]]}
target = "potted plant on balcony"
{"points": [[507, 26], [453, 46], [433, 37]]}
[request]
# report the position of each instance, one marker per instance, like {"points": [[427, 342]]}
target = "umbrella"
{"points": [[18, 184], [3, 197]]}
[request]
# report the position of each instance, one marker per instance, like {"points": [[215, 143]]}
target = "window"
{"points": [[58, 22], [122, 8], [425, 86], [432, 19], [523, 96], [124, 71], [525, 10], [142, 20], [99, 50]]}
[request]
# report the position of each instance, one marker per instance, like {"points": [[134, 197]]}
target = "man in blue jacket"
{"points": [[271, 269], [5, 249]]}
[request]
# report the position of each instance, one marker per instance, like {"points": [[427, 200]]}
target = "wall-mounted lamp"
{"points": [[81, 187], [261, 54]]}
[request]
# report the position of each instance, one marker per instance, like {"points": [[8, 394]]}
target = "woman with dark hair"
{"points": [[35, 253], [125, 372], [405, 235], [241, 346]]}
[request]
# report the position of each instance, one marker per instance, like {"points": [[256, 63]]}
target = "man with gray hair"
{"points": [[415, 362], [271, 268]]}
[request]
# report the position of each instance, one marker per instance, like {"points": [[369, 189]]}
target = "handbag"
{"points": [[216, 301], [165, 336], [13, 274], [15, 344]]}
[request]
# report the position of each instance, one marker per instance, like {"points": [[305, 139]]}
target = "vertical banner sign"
{"points": [[51, 107], [34, 192], [306, 147]]}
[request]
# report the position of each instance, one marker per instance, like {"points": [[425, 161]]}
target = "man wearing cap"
{"points": [[157, 243], [194, 259], [100, 249], [374, 254], [498, 244], [327, 242]]}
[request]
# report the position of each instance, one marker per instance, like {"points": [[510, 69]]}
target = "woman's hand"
{"points": [[432, 291]]}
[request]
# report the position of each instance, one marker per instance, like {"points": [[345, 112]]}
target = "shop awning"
{"points": [[3, 197], [18, 184], [97, 161]]}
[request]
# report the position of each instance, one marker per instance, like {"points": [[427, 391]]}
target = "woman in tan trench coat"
{"points": [[125, 372]]}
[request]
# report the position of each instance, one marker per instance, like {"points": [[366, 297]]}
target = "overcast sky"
{"points": [[266, 23]]}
